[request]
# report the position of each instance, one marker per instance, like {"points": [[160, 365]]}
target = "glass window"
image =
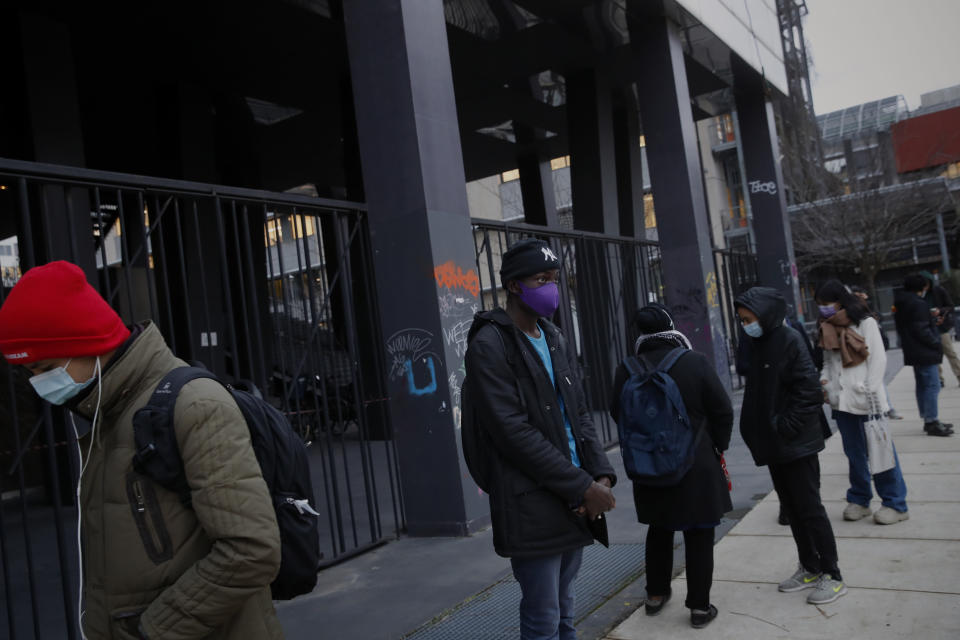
{"points": [[274, 232], [302, 226]]}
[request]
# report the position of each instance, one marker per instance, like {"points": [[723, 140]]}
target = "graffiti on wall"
{"points": [[458, 296], [412, 358], [450, 276]]}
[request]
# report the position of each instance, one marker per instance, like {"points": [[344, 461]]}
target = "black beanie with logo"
{"points": [[525, 258]]}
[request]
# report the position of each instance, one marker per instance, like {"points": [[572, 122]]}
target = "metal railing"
{"points": [[736, 272], [604, 280], [269, 288]]}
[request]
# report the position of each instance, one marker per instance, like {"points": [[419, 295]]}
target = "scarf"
{"points": [[672, 336], [836, 335]]}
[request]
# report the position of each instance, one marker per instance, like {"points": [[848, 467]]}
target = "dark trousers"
{"points": [[798, 485], [698, 545]]}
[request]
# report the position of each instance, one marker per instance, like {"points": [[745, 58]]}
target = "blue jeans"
{"points": [[546, 608], [928, 390], [890, 485]]}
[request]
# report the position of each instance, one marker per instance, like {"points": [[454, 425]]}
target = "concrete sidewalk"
{"points": [[904, 579]]}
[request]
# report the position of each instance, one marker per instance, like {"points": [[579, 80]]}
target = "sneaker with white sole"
{"points": [[827, 590], [800, 580], [886, 515], [855, 511]]}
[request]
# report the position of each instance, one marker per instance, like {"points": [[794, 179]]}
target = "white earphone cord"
{"points": [[83, 467]]}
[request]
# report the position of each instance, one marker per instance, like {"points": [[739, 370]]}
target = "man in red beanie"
{"points": [[152, 566]]}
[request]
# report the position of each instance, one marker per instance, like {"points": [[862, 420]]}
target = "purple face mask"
{"points": [[827, 311], [544, 299]]}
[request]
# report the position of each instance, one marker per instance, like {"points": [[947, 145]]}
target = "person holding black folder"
{"points": [[696, 504], [530, 443]]}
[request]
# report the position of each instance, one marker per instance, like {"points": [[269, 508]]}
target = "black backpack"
{"points": [[476, 443], [283, 462]]}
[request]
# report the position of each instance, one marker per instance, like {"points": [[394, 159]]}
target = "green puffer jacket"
{"points": [[180, 572]]}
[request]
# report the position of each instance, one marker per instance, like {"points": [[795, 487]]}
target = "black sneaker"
{"points": [[699, 618], [653, 608], [938, 429]]}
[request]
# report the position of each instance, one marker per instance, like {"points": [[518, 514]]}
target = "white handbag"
{"points": [[876, 431]]}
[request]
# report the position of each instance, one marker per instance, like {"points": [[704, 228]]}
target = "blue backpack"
{"points": [[656, 438]]}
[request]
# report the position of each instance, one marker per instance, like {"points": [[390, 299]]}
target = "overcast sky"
{"points": [[865, 50]]}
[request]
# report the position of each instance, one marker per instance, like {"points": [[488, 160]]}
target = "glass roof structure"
{"points": [[863, 118]]}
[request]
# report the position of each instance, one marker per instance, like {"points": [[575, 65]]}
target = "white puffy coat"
{"points": [[849, 389]]}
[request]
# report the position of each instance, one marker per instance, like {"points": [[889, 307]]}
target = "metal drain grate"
{"points": [[493, 614]]}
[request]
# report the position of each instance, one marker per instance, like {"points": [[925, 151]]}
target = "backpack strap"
{"points": [[633, 366], [157, 453], [671, 359]]}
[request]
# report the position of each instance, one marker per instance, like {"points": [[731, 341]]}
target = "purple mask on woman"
{"points": [[544, 299]]}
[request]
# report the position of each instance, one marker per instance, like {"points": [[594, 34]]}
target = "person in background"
{"points": [[941, 306], [696, 504], [862, 293], [852, 377], [922, 349], [782, 424]]}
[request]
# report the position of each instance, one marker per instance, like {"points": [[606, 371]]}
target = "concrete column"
{"points": [[423, 254], [629, 167], [593, 174], [776, 264], [536, 183], [690, 281], [61, 220]]}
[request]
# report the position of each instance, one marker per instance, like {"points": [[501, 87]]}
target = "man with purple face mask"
{"points": [[530, 442]]}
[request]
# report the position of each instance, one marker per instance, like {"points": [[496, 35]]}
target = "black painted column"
{"points": [[629, 163], [536, 187], [776, 264], [61, 219], [424, 263], [593, 174], [690, 281]]}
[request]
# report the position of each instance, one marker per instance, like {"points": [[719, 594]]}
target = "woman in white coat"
{"points": [[854, 362]]}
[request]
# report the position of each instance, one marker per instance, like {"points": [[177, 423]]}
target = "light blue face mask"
{"points": [[754, 330], [56, 386]]}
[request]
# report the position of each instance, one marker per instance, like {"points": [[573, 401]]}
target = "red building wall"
{"points": [[927, 141]]}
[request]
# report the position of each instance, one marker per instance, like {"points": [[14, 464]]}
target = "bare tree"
{"points": [[867, 231]]}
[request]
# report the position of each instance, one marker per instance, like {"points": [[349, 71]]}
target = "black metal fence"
{"points": [[262, 288], [736, 272], [604, 280]]}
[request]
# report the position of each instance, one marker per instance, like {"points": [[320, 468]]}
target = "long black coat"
{"points": [[534, 486], [702, 497], [783, 400], [917, 329]]}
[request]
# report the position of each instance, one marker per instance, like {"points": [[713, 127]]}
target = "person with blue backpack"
{"points": [[675, 418], [781, 421], [530, 444], [150, 566]]}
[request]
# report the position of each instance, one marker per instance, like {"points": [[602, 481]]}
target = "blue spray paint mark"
{"points": [[412, 385]]}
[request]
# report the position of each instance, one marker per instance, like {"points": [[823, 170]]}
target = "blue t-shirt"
{"points": [[541, 347]]}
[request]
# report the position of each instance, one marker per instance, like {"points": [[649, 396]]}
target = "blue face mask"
{"points": [[56, 386], [754, 330], [827, 311]]}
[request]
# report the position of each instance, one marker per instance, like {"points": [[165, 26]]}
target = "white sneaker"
{"points": [[886, 515], [855, 512]]}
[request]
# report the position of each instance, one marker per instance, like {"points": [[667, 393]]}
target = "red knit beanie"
{"points": [[53, 312]]}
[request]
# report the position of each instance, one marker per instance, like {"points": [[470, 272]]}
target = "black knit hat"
{"points": [[525, 258], [653, 318]]}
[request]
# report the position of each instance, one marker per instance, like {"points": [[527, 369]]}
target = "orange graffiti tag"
{"points": [[450, 276]]}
